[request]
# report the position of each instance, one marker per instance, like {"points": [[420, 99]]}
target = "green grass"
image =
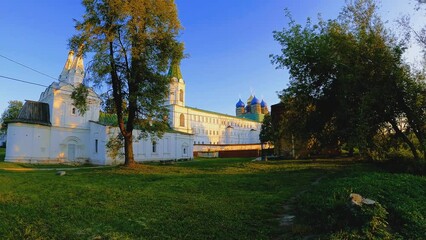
{"points": [[200, 199], [325, 211]]}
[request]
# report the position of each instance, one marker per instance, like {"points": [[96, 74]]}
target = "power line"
{"points": [[23, 65], [33, 83], [23, 81]]}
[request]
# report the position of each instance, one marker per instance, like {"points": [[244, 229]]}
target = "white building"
{"points": [[52, 130], [212, 128]]}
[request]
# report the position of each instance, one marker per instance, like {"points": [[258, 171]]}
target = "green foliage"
{"points": [[267, 134], [11, 112], [79, 97], [348, 82], [115, 146]]}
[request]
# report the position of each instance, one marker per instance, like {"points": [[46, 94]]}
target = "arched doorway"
{"points": [[71, 150]]}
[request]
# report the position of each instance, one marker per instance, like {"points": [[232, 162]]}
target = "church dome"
{"points": [[254, 101], [263, 103], [239, 104], [249, 99]]}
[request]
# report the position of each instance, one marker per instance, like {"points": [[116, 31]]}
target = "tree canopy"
{"points": [[11, 112], [348, 81], [266, 134], [134, 42]]}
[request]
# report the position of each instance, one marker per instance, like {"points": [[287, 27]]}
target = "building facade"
{"points": [[52, 130], [212, 128]]}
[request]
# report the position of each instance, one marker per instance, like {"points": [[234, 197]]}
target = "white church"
{"points": [[51, 130]]}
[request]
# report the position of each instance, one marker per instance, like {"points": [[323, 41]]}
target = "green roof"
{"points": [[174, 71], [222, 114]]}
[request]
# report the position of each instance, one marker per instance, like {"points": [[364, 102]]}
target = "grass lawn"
{"points": [[201, 199]]}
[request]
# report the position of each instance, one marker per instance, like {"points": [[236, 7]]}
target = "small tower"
{"points": [[177, 86], [73, 72], [264, 107], [64, 74], [63, 113], [239, 108], [255, 106]]}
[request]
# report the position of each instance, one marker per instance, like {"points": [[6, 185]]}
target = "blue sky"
{"points": [[228, 43]]}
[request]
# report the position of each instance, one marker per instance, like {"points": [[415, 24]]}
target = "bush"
{"points": [[403, 164]]}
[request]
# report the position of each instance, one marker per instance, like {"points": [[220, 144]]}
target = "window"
{"points": [[96, 145], [184, 150], [73, 111], [181, 95], [154, 146], [182, 120]]}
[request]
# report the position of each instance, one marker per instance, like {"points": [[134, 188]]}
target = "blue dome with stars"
{"points": [[239, 104], [263, 104]]}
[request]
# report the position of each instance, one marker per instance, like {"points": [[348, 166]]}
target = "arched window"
{"points": [[181, 95], [182, 120]]}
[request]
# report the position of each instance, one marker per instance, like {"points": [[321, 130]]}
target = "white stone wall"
{"points": [[97, 144], [172, 146], [38, 143], [33, 143]]}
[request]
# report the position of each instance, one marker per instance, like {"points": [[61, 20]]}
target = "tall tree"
{"points": [[350, 75], [134, 41], [11, 112]]}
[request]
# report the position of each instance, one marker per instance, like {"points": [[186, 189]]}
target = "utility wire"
{"points": [[23, 81], [23, 65], [33, 83]]}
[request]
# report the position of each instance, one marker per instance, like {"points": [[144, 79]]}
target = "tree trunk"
{"points": [[125, 129], [129, 160], [405, 139]]}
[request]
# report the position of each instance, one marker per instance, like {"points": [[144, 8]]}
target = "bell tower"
{"points": [[73, 71], [177, 86]]}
